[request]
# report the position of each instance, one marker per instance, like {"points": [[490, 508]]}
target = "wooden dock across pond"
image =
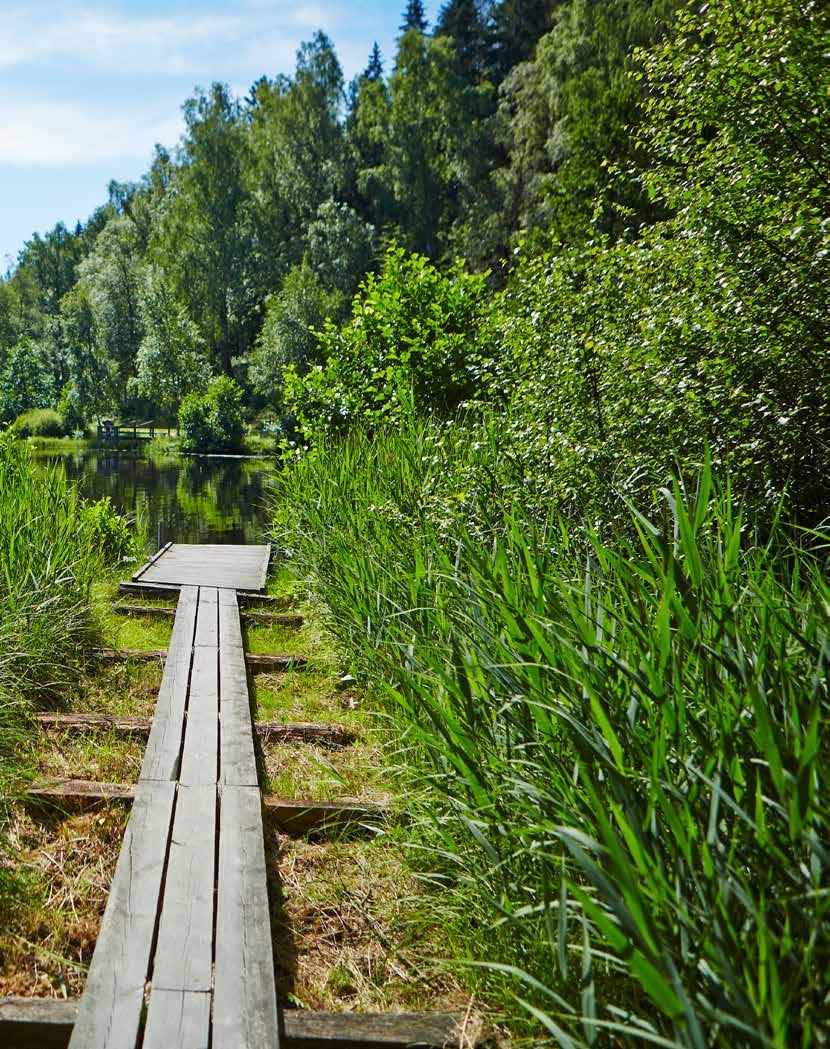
{"points": [[184, 954]]}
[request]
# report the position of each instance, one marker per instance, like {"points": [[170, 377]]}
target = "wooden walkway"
{"points": [[184, 956]]}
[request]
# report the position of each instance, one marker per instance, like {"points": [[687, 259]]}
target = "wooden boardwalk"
{"points": [[219, 565], [184, 956]]}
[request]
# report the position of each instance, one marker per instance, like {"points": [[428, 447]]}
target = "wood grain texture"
{"points": [[246, 597], [111, 1007], [163, 750], [179, 1019], [245, 1004], [309, 1029], [255, 661], [257, 618], [309, 731], [237, 759], [230, 626], [122, 725], [148, 564], [207, 622], [184, 951], [46, 1023], [201, 734], [225, 565], [292, 815]]}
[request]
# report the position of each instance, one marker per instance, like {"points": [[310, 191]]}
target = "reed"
{"points": [[616, 745], [52, 546]]}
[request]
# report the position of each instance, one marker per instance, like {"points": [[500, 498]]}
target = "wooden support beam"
{"points": [[255, 661], [308, 731], [283, 618], [46, 1023], [291, 815], [171, 590]]}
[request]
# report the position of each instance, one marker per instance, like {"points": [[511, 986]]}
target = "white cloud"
{"points": [[60, 133], [180, 44]]}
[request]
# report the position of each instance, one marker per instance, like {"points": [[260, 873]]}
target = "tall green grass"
{"points": [[53, 545], [617, 748]]}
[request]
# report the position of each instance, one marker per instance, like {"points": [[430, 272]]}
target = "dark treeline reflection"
{"points": [[184, 500]]}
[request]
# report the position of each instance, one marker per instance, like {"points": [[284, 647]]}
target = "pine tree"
{"points": [[516, 27], [415, 17], [374, 70], [462, 20]]}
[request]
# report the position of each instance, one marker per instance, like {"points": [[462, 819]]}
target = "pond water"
{"points": [[184, 499]]}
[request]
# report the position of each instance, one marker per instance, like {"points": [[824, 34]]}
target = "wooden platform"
{"points": [[184, 954], [217, 565]]}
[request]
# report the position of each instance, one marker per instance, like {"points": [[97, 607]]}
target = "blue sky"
{"points": [[88, 87]]}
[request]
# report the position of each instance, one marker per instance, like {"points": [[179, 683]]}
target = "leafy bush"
{"points": [[616, 751], [39, 422], [108, 531], [416, 336], [25, 381], [212, 422], [288, 339], [70, 407]]}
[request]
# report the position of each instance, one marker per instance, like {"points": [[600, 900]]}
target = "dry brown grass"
{"points": [[350, 931], [66, 865]]}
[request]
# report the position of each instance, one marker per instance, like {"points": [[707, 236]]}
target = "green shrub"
{"points": [[416, 337], [212, 422], [39, 422], [109, 533], [70, 408], [616, 752]]}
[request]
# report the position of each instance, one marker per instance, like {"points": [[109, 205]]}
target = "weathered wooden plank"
{"points": [[256, 618], [207, 622], [244, 1004], [308, 1029], [294, 816], [37, 1023], [125, 726], [201, 734], [311, 731], [152, 561], [255, 661], [243, 567], [246, 597], [162, 756], [237, 761], [177, 1018], [297, 816], [230, 628], [46, 1023], [111, 1006], [184, 949], [78, 794]]}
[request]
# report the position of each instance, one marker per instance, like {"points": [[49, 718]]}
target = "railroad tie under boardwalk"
{"points": [[254, 661], [46, 1023], [283, 618], [308, 731], [291, 815]]}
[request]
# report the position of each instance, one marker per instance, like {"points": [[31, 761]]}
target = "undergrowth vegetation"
{"points": [[596, 600], [618, 746], [53, 546]]}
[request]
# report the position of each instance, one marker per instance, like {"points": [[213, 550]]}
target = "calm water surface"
{"points": [[183, 500]]}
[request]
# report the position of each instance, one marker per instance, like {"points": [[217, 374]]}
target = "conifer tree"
{"points": [[462, 20], [415, 17], [374, 69]]}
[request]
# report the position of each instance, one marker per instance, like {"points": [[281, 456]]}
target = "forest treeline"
{"points": [[273, 207], [540, 316]]}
